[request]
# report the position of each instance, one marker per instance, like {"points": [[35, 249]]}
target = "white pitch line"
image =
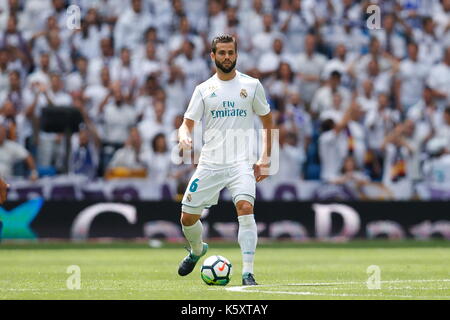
{"points": [[256, 289]]}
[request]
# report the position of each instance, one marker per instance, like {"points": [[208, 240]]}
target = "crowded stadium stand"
{"points": [[362, 113]]}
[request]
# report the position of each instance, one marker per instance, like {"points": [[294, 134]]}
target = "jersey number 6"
{"points": [[194, 185]]}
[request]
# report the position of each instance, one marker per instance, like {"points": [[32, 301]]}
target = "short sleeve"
{"points": [[432, 80], [19, 152], [260, 105], [196, 106]]}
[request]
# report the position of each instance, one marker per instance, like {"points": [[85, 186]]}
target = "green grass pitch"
{"points": [[285, 270]]}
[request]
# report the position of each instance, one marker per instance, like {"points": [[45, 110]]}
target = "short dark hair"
{"points": [[224, 38], [335, 74], [155, 139], [447, 110], [327, 125]]}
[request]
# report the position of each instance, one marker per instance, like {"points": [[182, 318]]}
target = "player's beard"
{"points": [[223, 68]]}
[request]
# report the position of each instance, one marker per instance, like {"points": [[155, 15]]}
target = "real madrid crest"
{"points": [[211, 89], [244, 93]]}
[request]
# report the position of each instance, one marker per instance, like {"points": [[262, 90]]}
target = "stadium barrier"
{"points": [[75, 187], [301, 221]]}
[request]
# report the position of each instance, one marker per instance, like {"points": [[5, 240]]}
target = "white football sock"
{"points": [[193, 235], [247, 238]]}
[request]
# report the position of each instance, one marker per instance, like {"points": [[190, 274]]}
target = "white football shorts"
{"points": [[205, 185]]}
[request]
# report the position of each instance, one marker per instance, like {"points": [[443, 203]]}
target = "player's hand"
{"points": [[185, 143], [261, 170], [3, 191]]}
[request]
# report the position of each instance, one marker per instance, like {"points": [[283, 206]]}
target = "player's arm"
{"points": [[193, 113], [3, 190], [261, 168], [32, 166], [185, 134], [262, 109]]}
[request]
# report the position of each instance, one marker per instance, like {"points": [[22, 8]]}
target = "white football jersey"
{"points": [[227, 109]]}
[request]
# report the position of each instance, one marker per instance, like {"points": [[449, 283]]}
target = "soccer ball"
{"points": [[216, 270]]}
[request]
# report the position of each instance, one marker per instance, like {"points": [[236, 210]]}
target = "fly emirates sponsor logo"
{"points": [[228, 110]]}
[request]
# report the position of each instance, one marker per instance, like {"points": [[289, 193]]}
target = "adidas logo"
{"points": [[213, 95]]}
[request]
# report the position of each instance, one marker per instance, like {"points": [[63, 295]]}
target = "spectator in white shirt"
{"points": [[87, 39], [295, 22], [442, 20], [105, 59], [85, 144], [159, 162], [337, 110], [12, 38], [131, 26], [342, 61], [416, 135], [397, 173], [252, 20], [291, 158], [161, 46], [50, 150], [263, 41], [195, 69], [60, 60], [182, 33], [13, 121], [439, 79], [391, 41], [77, 80], [39, 40], [124, 72], [338, 140], [347, 33], [118, 116], [269, 62], [443, 131], [33, 15], [300, 121], [410, 79], [147, 96], [284, 84], [379, 122], [366, 96], [4, 70], [158, 123], [217, 19], [148, 65], [59, 11], [430, 46], [96, 93], [436, 169], [426, 111], [130, 161], [42, 72], [323, 98], [382, 81], [175, 88], [385, 61], [14, 92], [10, 153], [352, 177], [309, 66]]}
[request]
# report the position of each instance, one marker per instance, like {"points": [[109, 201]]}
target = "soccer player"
{"points": [[227, 103], [3, 190]]}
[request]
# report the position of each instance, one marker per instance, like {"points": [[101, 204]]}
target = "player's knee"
{"points": [[244, 207], [188, 219]]}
